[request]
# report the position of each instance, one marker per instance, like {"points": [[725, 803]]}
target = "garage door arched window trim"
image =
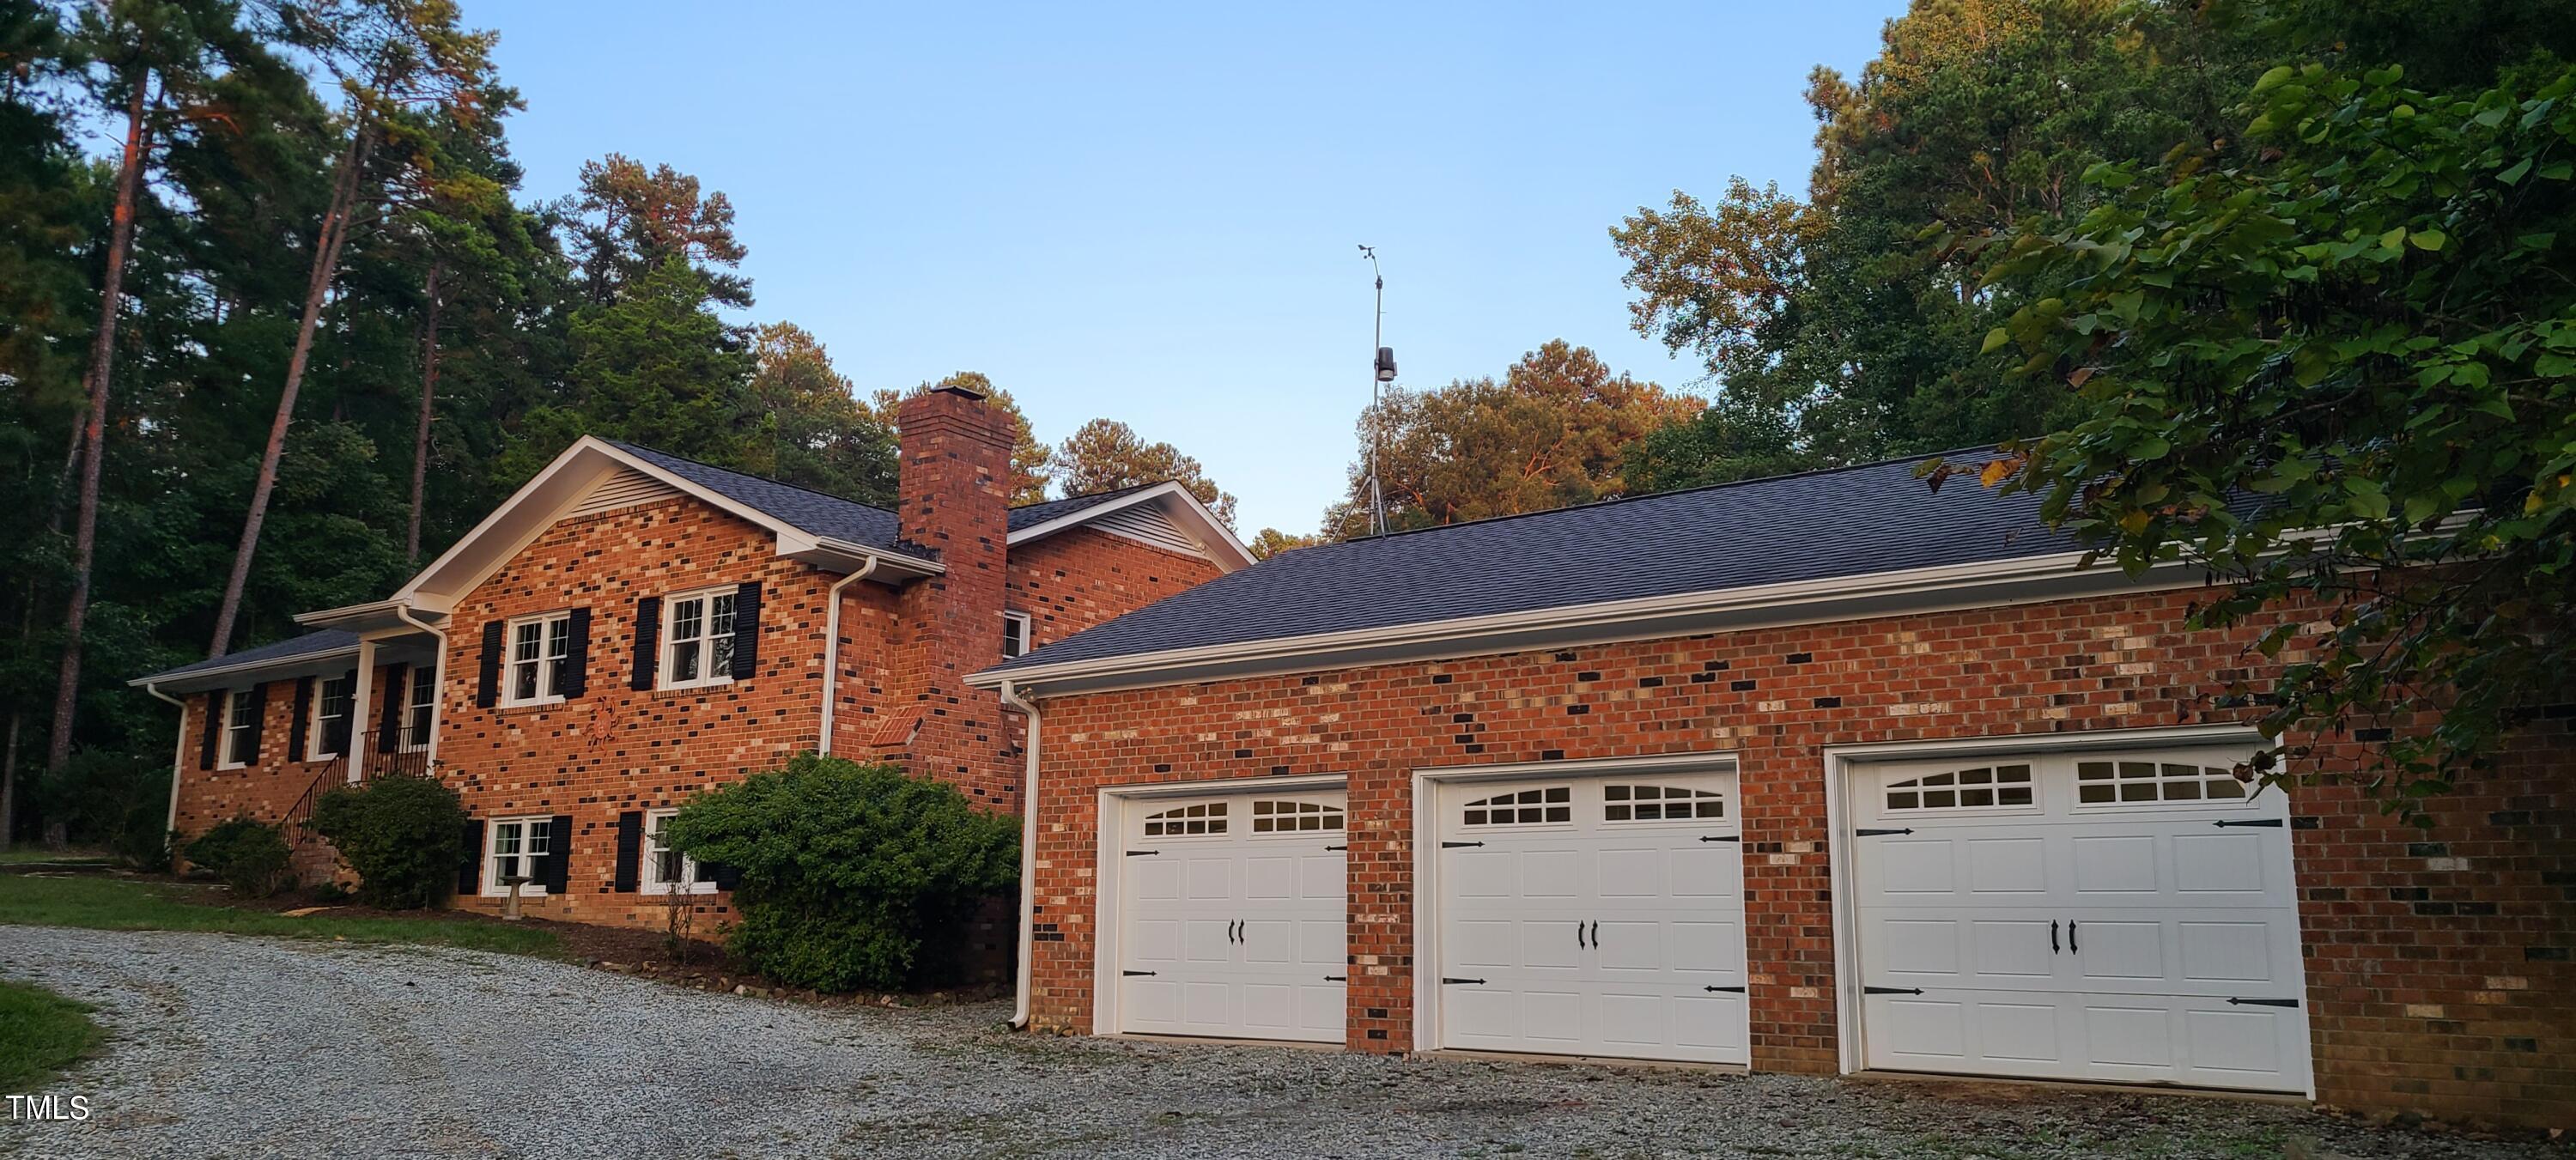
{"points": [[1631, 803], [1196, 820], [2110, 783], [1984, 788], [1271, 815], [1536, 806]]}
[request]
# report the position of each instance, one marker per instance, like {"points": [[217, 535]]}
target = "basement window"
{"points": [[513, 850], [668, 871]]}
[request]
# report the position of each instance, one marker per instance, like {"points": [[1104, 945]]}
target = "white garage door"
{"points": [[2122, 917], [1232, 912], [1593, 916]]}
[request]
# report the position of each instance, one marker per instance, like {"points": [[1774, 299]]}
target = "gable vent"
{"points": [[625, 489], [1148, 523]]}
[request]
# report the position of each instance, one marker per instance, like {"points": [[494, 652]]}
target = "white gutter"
{"points": [[1028, 861], [1916, 587], [832, 648], [251, 666], [178, 756], [437, 680]]}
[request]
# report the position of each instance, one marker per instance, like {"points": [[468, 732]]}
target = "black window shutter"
{"points": [[300, 732], [214, 728], [389, 723], [557, 872], [469, 867], [630, 851], [576, 678], [487, 688], [258, 721], [746, 631], [648, 642]]}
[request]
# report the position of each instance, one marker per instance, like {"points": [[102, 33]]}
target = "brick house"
{"points": [[1824, 773], [631, 628]]}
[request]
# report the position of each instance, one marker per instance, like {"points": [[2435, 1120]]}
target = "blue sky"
{"points": [[1150, 213]]}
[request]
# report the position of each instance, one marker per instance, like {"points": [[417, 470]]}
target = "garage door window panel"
{"points": [[1983, 787], [1281, 817], [2111, 784], [1544, 805], [1201, 819], [1660, 803]]}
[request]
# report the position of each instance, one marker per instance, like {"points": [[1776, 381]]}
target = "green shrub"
{"points": [[249, 856], [846, 869], [399, 834]]}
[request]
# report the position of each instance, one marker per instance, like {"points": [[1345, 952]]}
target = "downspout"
{"points": [[832, 648], [1028, 859], [438, 681], [178, 756]]}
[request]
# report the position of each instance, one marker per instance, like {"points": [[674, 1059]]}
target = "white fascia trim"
{"points": [[792, 541], [1225, 551], [268, 663], [1468, 636], [1713, 761]]}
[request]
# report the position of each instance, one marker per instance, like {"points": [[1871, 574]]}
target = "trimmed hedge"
{"points": [[848, 871], [399, 833], [248, 855]]}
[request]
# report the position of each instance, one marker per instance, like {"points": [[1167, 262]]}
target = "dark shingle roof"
{"points": [[1819, 525], [811, 511], [327, 640], [1031, 515]]}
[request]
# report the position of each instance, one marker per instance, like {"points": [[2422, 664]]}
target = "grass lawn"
{"points": [[123, 904], [40, 1033]]}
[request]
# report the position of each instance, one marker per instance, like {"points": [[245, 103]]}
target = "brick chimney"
{"points": [[955, 486]]}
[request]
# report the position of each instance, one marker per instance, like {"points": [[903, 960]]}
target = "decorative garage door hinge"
{"points": [[2266, 823], [1450, 982], [1141, 853], [1731, 990], [1455, 845], [1133, 974], [2262, 1002], [1891, 990], [1337, 978], [1329, 849], [1878, 833], [1721, 837]]}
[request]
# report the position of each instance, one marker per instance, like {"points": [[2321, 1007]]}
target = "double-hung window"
{"points": [[420, 708], [540, 651], [241, 710], [1017, 634], [515, 846], [697, 638], [668, 871], [331, 709]]}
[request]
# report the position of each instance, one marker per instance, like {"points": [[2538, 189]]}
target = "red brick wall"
{"points": [[956, 501], [1072, 580], [2451, 1000], [615, 749], [269, 788]]}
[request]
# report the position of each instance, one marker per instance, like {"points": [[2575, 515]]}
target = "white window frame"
{"points": [[239, 704], [492, 886], [709, 672], [650, 875], [317, 734], [1021, 630], [549, 665], [420, 707]]}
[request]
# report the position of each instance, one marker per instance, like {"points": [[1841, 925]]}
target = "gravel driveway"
{"points": [[228, 1046]]}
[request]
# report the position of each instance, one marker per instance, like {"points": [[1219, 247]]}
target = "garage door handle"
{"points": [[2267, 823], [1596, 936], [1877, 833], [1455, 845], [2052, 936], [2262, 1002], [1722, 838], [2071, 948], [1133, 974], [1578, 934], [1452, 982], [1733, 990], [1891, 990]]}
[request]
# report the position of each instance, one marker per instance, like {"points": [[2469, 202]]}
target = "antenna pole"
{"points": [[1377, 406]]}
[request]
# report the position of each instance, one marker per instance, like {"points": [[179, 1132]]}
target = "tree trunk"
{"points": [[420, 433], [102, 361], [27, 629], [317, 291]]}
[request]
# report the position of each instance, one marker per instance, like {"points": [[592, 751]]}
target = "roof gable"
{"points": [[1164, 515]]}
